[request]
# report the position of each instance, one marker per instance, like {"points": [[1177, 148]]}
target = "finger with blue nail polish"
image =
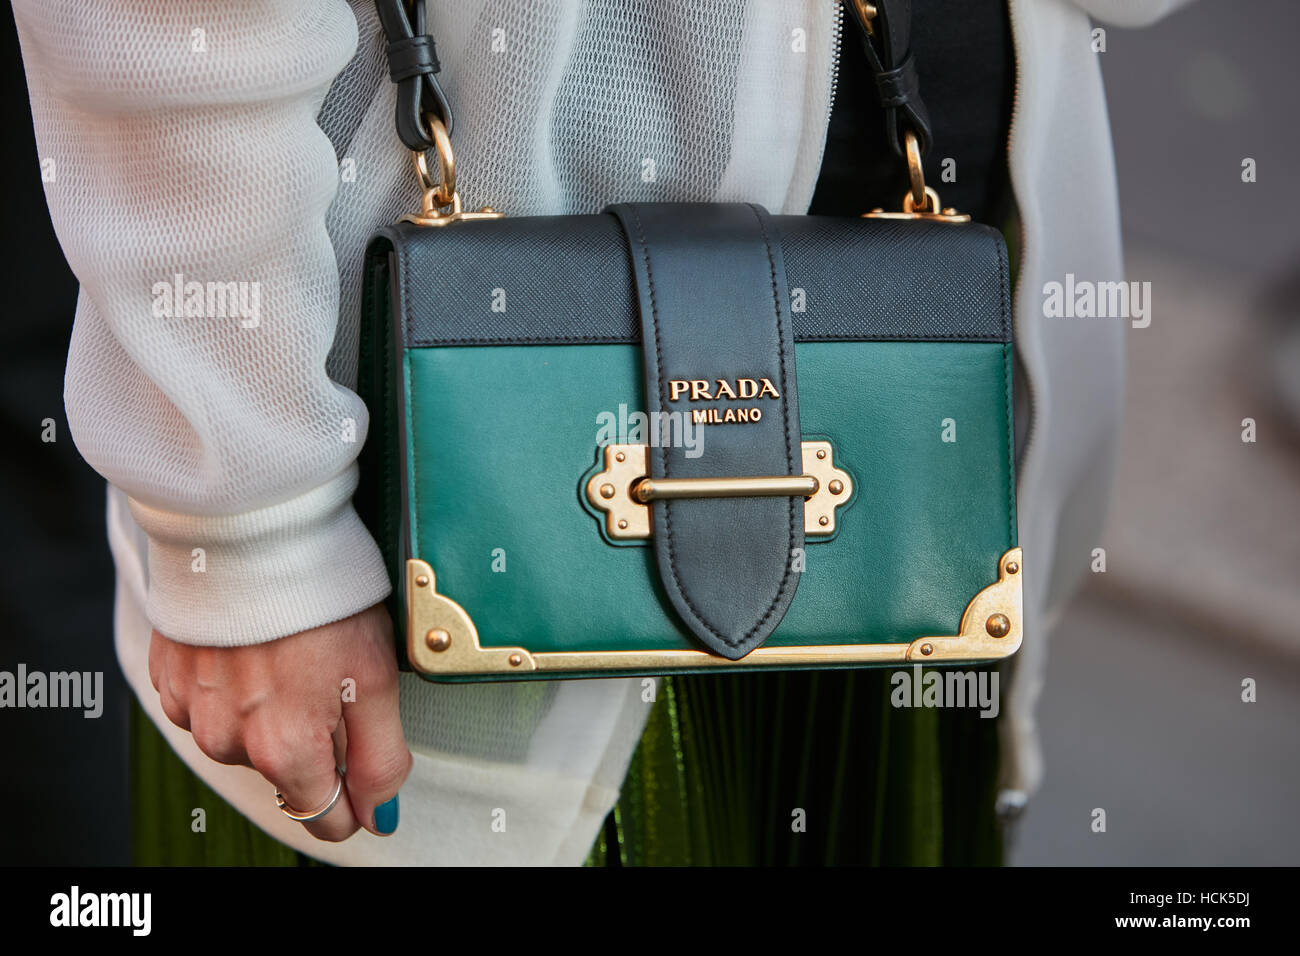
{"points": [[386, 817]]}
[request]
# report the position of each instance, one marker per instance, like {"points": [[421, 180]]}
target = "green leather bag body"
{"points": [[675, 438], [509, 367]]}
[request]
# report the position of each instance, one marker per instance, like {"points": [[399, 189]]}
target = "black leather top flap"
{"points": [[718, 350], [857, 280]]}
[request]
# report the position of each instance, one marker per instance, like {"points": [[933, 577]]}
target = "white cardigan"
{"points": [[252, 143]]}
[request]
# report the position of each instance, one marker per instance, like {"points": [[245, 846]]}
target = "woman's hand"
{"points": [[295, 708]]}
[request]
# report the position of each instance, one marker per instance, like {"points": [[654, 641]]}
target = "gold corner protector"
{"points": [[441, 637], [992, 626], [442, 641]]}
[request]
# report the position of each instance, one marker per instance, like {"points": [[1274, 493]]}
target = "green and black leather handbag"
{"points": [[688, 437]]}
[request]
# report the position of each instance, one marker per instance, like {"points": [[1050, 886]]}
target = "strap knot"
{"points": [[899, 86], [412, 56]]}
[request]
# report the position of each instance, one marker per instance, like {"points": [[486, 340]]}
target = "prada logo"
{"points": [[714, 390], [703, 389]]}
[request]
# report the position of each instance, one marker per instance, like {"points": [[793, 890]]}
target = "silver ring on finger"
{"points": [[309, 815]]}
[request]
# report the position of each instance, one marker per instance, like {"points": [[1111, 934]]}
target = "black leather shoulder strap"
{"points": [[413, 66], [885, 35], [719, 350], [886, 40]]}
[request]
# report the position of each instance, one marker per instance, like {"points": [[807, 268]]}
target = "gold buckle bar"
{"points": [[623, 489], [768, 486]]}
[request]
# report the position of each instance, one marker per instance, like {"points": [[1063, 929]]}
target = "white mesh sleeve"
{"points": [[188, 182]]}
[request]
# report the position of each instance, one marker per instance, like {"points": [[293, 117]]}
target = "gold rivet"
{"points": [[823, 521], [927, 649], [1012, 567], [607, 491], [836, 486], [438, 639], [821, 453], [515, 660], [620, 457], [622, 524], [422, 581], [998, 625]]}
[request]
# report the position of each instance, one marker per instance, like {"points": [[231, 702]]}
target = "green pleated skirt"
{"points": [[805, 768]]}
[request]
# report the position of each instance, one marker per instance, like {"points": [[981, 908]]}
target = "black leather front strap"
{"points": [[718, 345]]}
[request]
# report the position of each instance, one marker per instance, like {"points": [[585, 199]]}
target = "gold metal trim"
{"points": [[622, 491], [430, 215], [436, 620], [834, 488]]}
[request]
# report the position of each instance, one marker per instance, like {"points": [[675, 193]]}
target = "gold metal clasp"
{"points": [[623, 490], [921, 201], [440, 201]]}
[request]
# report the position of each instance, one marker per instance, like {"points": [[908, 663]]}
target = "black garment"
{"points": [[966, 64]]}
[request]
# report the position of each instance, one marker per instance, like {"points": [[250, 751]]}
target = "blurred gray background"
{"points": [[1142, 714]]}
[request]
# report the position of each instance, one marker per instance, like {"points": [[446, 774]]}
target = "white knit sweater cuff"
{"points": [[254, 577]]}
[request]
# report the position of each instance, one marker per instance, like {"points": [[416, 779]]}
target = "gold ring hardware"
{"points": [[444, 189], [427, 610], [623, 490], [915, 174], [440, 201], [920, 201]]}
